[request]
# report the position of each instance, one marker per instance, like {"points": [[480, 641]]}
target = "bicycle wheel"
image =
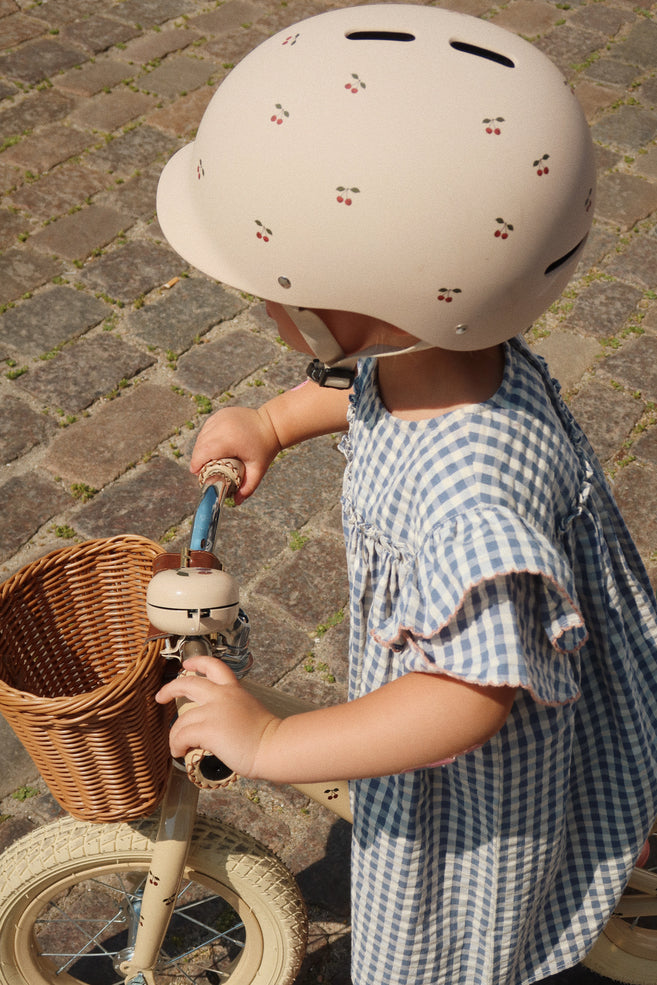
{"points": [[69, 889], [626, 950]]}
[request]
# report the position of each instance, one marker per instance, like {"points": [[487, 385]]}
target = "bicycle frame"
{"points": [[178, 809]]}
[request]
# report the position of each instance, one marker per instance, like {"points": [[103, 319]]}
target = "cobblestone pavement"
{"points": [[113, 351]]}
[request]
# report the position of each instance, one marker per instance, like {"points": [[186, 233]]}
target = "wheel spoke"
{"points": [[95, 941], [73, 913]]}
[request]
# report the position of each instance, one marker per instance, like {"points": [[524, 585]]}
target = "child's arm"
{"points": [[417, 720], [257, 436]]}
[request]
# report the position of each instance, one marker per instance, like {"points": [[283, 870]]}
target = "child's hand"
{"points": [[225, 720], [238, 432]]}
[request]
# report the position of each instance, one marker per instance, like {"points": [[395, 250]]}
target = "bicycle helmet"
{"points": [[421, 166]]}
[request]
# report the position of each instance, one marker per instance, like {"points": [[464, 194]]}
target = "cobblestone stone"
{"points": [[570, 48], [312, 585], [132, 270], [109, 111], [648, 92], [39, 59], [153, 498], [28, 502], [569, 356], [82, 373], [59, 191], [51, 146], [21, 428], [50, 319], [612, 72], [132, 150], [227, 18], [625, 199], [89, 79], [306, 481], [646, 165], [213, 367], [34, 111], [11, 227], [640, 47], [98, 33], [597, 17], [98, 449], [134, 197], [148, 13], [77, 236], [17, 28], [646, 447], [177, 76], [58, 12], [637, 263], [628, 127], [22, 271], [635, 489], [151, 47], [176, 319], [607, 416], [181, 117], [603, 308], [635, 366], [528, 17]]}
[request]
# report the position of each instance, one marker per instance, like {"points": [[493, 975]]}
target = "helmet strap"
{"points": [[332, 368]]}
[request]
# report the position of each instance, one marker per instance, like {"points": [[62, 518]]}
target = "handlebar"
{"points": [[219, 480]]}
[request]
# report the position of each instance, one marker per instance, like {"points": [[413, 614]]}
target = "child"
{"points": [[410, 188]]}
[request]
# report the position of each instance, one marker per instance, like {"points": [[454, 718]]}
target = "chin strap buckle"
{"points": [[336, 377]]}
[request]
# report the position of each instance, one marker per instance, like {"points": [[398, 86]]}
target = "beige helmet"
{"points": [[420, 166]]}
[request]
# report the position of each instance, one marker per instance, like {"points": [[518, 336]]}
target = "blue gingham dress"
{"points": [[484, 544]]}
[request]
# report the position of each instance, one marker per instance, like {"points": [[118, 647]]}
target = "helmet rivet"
{"points": [[461, 329], [285, 282]]}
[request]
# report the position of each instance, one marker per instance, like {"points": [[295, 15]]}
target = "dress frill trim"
{"points": [[488, 547]]}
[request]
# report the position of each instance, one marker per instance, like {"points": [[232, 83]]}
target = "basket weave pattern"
{"points": [[77, 679]]}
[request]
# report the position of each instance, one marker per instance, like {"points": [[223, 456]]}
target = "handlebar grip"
{"points": [[206, 771], [203, 768], [231, 470]]}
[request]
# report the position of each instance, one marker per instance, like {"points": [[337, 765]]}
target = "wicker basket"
{"points": [[77, 677]]}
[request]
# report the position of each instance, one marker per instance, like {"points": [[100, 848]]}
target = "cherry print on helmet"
{"points": [[355, 85], [447, 294], [345, 195], [541, 167], [503, 228], [420, 136], [263, 232], [280, 115], [492, 124]]}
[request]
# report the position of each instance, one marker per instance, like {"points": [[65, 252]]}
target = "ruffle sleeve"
{"points": [[490, 600]]}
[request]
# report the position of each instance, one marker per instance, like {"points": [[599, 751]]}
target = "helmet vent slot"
{"points": [[566, 257], [380, 36], [487, 53]]}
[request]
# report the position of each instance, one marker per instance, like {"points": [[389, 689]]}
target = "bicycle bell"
{"points": [[192, 601]]}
